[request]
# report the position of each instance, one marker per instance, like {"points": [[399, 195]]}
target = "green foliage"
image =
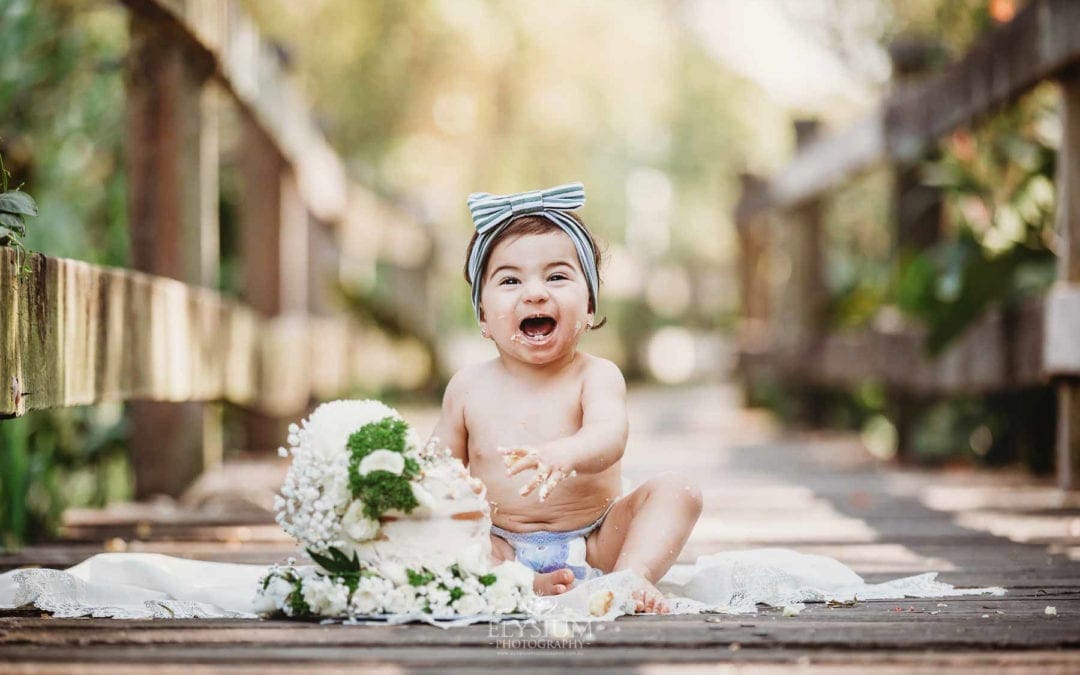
{"points": [[381, 491], [421, 578], [950, 286], [62, 97], [336, 562], [296, 601], [488, 579], [386, 434], [15, 206], [54, 459]]}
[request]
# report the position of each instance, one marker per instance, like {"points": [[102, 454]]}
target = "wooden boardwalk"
{"points": [[819, 494]]}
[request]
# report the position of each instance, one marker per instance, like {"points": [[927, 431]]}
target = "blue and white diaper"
{"points": [[547, 551]]}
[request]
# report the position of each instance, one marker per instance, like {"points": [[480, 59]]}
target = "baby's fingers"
{"points": [[557, 476], [533, 484], [529, 461]]}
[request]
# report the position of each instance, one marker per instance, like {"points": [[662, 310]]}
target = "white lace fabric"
{"points": [[155, 586]]}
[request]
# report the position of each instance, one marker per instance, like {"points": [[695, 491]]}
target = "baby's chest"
{"points": [[510, 418]]}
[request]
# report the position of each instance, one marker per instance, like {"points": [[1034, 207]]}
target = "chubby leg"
{"points": [[550, 583], [646, 530]]}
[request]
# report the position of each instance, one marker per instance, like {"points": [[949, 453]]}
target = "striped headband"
{"points": [[491, 213]]}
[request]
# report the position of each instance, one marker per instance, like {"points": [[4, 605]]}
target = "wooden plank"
{"points": [[1068, 225], [247, 65], [828, 161], [78, 334], [990, 356], [1040, 43]]}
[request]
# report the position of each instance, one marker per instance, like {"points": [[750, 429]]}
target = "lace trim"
{"points": [[64, 596]]}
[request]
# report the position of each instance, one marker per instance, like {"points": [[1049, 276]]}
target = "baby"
{"points": [[543, 425]]}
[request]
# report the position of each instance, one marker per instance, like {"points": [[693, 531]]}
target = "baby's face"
{"points": [[535, 298]]}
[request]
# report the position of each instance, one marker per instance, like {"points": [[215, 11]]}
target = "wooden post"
{"points": [[172, 148], [752, 228], [1068, 223], [274, 242], [918, 211], [809, 296]]}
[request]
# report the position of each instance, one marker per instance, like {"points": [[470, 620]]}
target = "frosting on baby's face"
{"points": [[535, 298]]}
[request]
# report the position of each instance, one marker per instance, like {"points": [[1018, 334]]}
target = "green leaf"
{"points": [[13, 222], [336, 562], [6, 236], [17, 201], [488, 579], [421, 578]]}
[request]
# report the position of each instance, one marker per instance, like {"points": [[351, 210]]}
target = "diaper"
{"points": [[547, 551]]}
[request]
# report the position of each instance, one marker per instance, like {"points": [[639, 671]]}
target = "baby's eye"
{"points": [[558, 276], [507, 280]]}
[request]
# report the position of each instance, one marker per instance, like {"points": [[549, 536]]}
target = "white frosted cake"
{"points": [[451, 523], [393, 528]]}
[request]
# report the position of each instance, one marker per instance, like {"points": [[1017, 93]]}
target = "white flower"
{"points": [[438, 599], [514, 573], [475, 560], [368, 598], [470, 604], [401, 600], [382, 460], [502, 597], [358, 526], [325, 596], [271, 599], [393, 572]]}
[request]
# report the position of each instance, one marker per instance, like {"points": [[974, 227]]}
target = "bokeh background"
{"points": [[657, 106]]}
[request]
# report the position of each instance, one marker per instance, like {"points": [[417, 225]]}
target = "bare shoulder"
{"points": [[601, 372], [466, 381], [457, 389]]}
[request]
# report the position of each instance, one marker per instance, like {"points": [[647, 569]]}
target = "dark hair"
{"points": [[530, 224]]}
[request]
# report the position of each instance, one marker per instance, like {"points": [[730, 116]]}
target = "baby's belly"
{"points": [[573, 504]]}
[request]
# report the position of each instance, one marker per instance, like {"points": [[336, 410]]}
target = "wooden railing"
{"points": [[1039, 343], [157, 335]]}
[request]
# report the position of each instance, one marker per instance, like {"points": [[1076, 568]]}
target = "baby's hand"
{"points": [[550, 469]]}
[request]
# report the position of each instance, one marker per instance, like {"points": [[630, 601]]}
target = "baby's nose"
{"points": [[535, 290]]}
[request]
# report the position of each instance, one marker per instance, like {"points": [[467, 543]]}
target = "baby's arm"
{"points": [[451, 430], [602, 438]]}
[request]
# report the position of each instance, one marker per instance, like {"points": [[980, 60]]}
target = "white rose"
{"points": [[438, 599], [358, 526], [325, 597], [393, 572], [368, 598], [270, 599], [470, 604], [475, 560], [503, 598], [382, 460], [514, 573], [401, 600]]}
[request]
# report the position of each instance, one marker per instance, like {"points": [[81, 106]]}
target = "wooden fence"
{"points": [[1037, 344], [156, 335]]}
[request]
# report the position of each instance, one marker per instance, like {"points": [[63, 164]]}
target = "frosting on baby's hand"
{"points": [[522, 458]]}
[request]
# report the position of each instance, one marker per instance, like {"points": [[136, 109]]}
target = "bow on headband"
{"points": [[490, 213]]}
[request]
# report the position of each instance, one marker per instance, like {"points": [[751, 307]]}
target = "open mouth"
{"points": [[537, 327]]}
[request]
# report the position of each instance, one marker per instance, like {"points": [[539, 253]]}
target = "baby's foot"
{"points": [[649, 600], [553, 583]]}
